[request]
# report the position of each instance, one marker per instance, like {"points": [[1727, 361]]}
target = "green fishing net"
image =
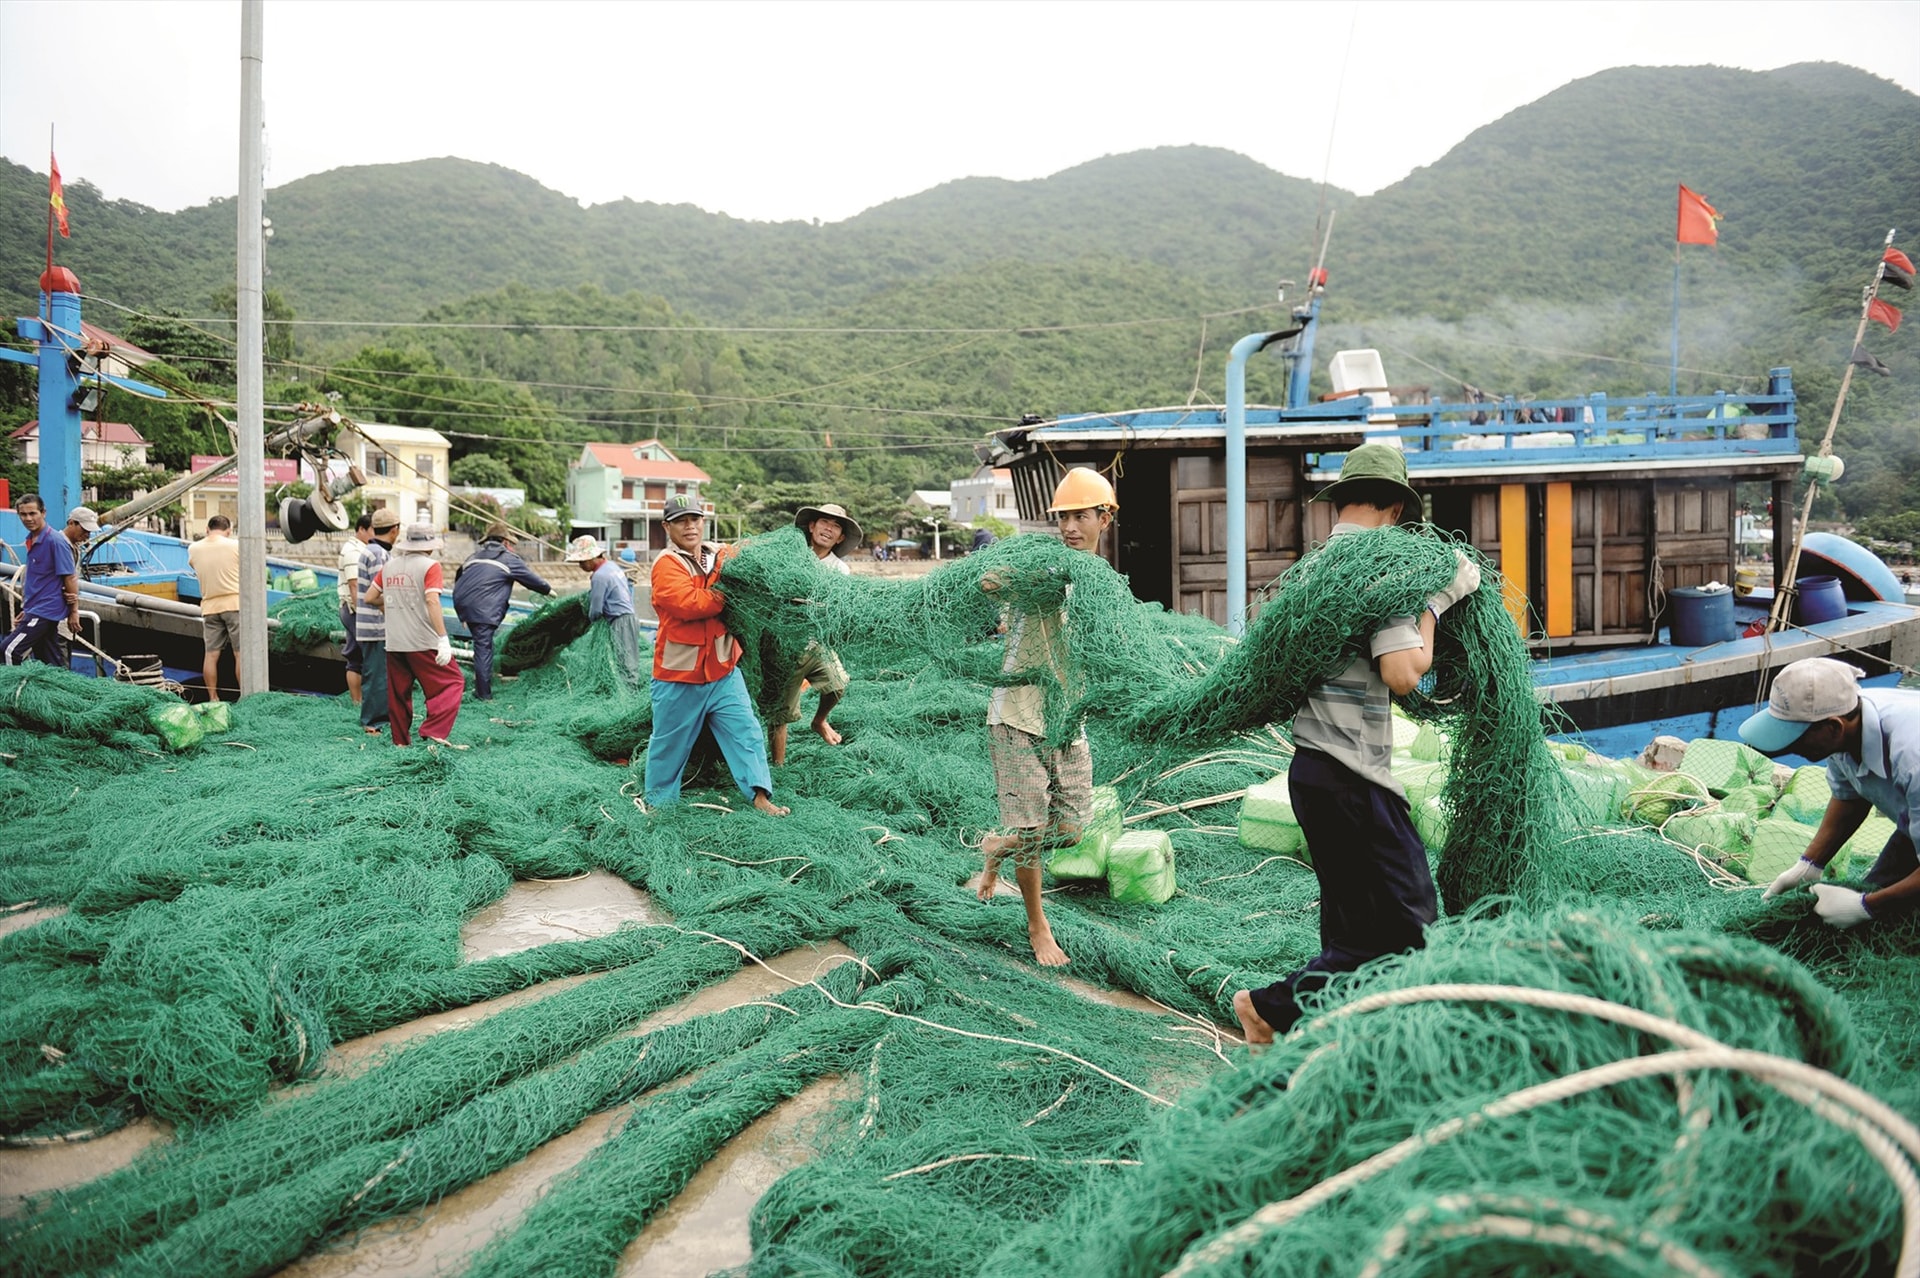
{"points": [[232, 912]]}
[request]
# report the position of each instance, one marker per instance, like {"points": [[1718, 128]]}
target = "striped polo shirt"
{"points": [[1350, 717]]}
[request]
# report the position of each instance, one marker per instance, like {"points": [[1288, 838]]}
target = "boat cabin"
{"points": [[1594, 508]]}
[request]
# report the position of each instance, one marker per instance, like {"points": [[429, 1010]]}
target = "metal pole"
{"points": [[1237, 478], [251, 468], [1673, 377]]}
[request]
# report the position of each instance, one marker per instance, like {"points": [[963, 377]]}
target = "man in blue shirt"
{"points": [[1871, 742], [51, 591], [610, 599], [482, 588]]}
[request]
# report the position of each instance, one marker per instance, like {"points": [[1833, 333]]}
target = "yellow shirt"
{"points": [[216, 561]]}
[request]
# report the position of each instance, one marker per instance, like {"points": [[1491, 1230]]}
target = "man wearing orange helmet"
{"points": [[1045, 795]]}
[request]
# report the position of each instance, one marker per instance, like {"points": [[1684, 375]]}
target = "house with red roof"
{"points": [[101, 444], [617, 492]]}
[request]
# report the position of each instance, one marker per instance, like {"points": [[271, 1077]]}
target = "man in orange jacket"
{"points": [[696, 681]]}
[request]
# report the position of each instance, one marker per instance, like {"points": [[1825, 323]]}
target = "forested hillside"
{"points": [[1537, 257]]}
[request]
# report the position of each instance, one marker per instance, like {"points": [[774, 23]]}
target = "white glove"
{"points": [[1465, 581], [1840, 907], [443, 651], [1802, 871]]}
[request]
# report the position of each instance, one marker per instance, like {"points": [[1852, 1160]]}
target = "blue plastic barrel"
{"points": [[1819, 599], [1701, 616]]}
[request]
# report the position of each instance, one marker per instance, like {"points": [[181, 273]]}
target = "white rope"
{"points": [[1878, 1127]]}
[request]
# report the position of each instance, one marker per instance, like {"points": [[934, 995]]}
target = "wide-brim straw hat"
{"points": [[421, 538], [1373, 464], [804, 520]]}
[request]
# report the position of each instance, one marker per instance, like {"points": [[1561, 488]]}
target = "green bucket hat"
{"points": [[1376, 464]]}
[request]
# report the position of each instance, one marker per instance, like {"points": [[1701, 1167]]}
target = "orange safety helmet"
{"points": [[1083, 488]]}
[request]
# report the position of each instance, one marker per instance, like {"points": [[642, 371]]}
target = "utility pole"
{"points": [[250, 335]]}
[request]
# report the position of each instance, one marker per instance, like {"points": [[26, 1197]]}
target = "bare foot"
{"points": [[1258, 1032], [993, 846], [768, 806], [828, 733], [1045, 948]]}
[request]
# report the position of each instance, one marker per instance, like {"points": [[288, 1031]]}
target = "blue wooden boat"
{"points": [[1609, 517]]}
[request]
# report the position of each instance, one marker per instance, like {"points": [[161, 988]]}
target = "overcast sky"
{"points": [[802, 110]]}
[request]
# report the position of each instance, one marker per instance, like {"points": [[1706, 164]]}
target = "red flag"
{"points": [[1697, 218], [57, 197], [1886, 314], [1898, 268]]}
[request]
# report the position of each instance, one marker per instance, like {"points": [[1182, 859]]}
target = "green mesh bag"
{"points": [[1593, 794], [1777, 843], [1266, 820], [216, 717], [1430, 822], [177, 725], [1652, 802], [1087, 859], [1725, 838], [1805, 798], [1405, 732], [1725, 765], [1140, 867], [1749, 800], [1421, 781], [1865, 845], [1430, 745]]}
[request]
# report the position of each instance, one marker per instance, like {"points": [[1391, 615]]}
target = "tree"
{"points": [[276, 312], [482, 470]]}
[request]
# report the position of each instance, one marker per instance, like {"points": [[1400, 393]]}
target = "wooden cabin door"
{"points": [[1200, 529]]}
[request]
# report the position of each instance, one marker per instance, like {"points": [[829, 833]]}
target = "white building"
{"points": [[406, 470], [988, 491], [101, 444]]}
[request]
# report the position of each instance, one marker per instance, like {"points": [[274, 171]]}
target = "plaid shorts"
{"points": [[818, 666], [1048, 793]]}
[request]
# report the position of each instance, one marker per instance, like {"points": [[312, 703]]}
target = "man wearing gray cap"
{"points": [[1871, 742], [370, 623]]}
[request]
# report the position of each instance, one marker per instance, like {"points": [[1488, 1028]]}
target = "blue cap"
{"points": [[1803, 694]]}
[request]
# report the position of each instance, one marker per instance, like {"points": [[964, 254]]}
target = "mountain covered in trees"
{"points": [[1536, 257]]}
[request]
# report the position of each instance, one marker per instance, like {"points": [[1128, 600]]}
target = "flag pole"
{"points": [[51, 165], [1673, 377], [1783, 588]]}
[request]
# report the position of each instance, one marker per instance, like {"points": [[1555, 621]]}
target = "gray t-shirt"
{"points": [[410, 586], [1350, 717]]}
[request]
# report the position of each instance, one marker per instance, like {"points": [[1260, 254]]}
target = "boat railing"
{"points": [[1593, 427]]}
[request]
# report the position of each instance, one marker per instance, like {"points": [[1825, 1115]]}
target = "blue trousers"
{"points": [[680, 710], [373, 683], [1376, 890], [482, 659], [1896, 861]]}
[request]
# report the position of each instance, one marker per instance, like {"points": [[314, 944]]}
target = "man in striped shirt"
{"points": [[1376, 889]]}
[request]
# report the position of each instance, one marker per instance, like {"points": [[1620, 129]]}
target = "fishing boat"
{"points": [[1613, 521]]}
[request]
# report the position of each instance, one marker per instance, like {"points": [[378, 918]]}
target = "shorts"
{"points": [[818, 666], [1047, 791], [221, 630]]}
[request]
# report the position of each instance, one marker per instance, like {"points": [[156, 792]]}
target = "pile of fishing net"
{"points": [[232, 914]]}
